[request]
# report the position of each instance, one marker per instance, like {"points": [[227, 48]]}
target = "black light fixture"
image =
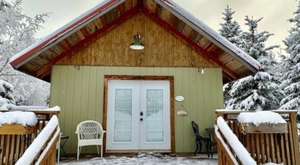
{"points": [[137, 45]]}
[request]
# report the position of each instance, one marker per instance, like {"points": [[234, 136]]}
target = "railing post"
{"points": [[293, 116]]}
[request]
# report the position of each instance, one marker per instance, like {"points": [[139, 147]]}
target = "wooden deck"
{"points": [[15, 139], [264, 147]]}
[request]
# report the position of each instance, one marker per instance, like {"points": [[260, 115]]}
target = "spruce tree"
{"points": [[259, 91], [230, 29], [291, 73], [253, 42]]}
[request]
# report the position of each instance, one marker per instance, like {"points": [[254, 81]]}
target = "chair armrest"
{"points": [[102, 134]]}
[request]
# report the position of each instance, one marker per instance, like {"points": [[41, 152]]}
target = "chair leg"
{"points": [[101, 151], [196, 148], [97, 149], [200, 144], [207, 148], [78, 152], [211, 150]]}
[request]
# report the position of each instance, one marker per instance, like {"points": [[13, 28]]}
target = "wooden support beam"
{"points": [[140, 3], [158, 10], [85, 32], [47, 59], [197, 47], [122, 9], [65, 44], [45, 69]]}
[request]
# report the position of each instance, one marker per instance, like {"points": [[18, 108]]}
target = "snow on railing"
{"points": [[280, 138], [234, 143], [260, 117], [24, 118], [12, 107], [49, 136], [222, 146]]}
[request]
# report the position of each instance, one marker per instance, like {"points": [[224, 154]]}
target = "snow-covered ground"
{"points": [[146, 159]]}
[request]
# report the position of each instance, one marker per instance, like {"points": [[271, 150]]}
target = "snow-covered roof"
{"points": [[234, 62], [64, 30], [215, 37]]}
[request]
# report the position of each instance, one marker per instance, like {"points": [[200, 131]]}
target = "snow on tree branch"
{"points": [[16, 33]]}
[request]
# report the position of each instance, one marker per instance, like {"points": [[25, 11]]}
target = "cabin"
{"points": [[96, 75]]}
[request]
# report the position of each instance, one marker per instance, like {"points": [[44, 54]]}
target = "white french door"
{"points": [[138, 115]]}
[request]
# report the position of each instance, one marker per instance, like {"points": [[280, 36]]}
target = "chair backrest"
{"points": [[89, 129], [196, 129]]}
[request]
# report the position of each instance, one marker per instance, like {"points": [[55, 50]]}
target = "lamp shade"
{"points": [[137, 45]]}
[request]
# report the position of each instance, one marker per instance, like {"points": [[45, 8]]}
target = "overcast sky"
{"points": [[275, 13]]}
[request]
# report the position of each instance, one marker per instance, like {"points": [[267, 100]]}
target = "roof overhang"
{"points": [[38, 59]]}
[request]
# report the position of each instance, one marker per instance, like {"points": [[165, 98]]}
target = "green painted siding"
{"points": [[79, 93]]}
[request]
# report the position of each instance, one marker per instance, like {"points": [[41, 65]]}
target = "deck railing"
{"points": [[43, 148], [16, 139], [230, 149], [267, 147]]}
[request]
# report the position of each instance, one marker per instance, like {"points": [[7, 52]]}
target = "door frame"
{"points": [[133, 77]]}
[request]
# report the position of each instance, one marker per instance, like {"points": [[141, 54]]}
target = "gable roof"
{"points": [[38, 59]]}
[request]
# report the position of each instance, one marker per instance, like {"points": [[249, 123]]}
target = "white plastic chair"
{"points": [[89, 133]]}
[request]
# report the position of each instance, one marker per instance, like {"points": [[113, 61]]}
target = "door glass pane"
{"points": [[159, 136], [123, 115], [154, 115]]}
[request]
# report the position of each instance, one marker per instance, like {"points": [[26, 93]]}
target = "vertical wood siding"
{"points": [[79, 93], [162, 49]]}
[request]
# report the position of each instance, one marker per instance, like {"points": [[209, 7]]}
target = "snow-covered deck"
{"points": [[145, 159], [263, 146], [23, 126]]}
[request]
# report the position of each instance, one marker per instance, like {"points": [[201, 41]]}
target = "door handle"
{"points": [[141, 113]]}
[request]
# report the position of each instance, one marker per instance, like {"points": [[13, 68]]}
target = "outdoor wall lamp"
{"points": [[137, 45], [201, 70]]}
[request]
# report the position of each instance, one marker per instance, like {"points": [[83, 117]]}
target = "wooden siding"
{"points": [[79, 93], [161, 48]]}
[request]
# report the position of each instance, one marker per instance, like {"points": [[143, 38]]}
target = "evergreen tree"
{"points": [[260, 91], [291, 73], [230, 29], [232, 32], [6, 96], [254, 43]]}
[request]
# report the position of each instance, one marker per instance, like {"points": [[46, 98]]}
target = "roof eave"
{"points": [[213, 36], [60, 34]]}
